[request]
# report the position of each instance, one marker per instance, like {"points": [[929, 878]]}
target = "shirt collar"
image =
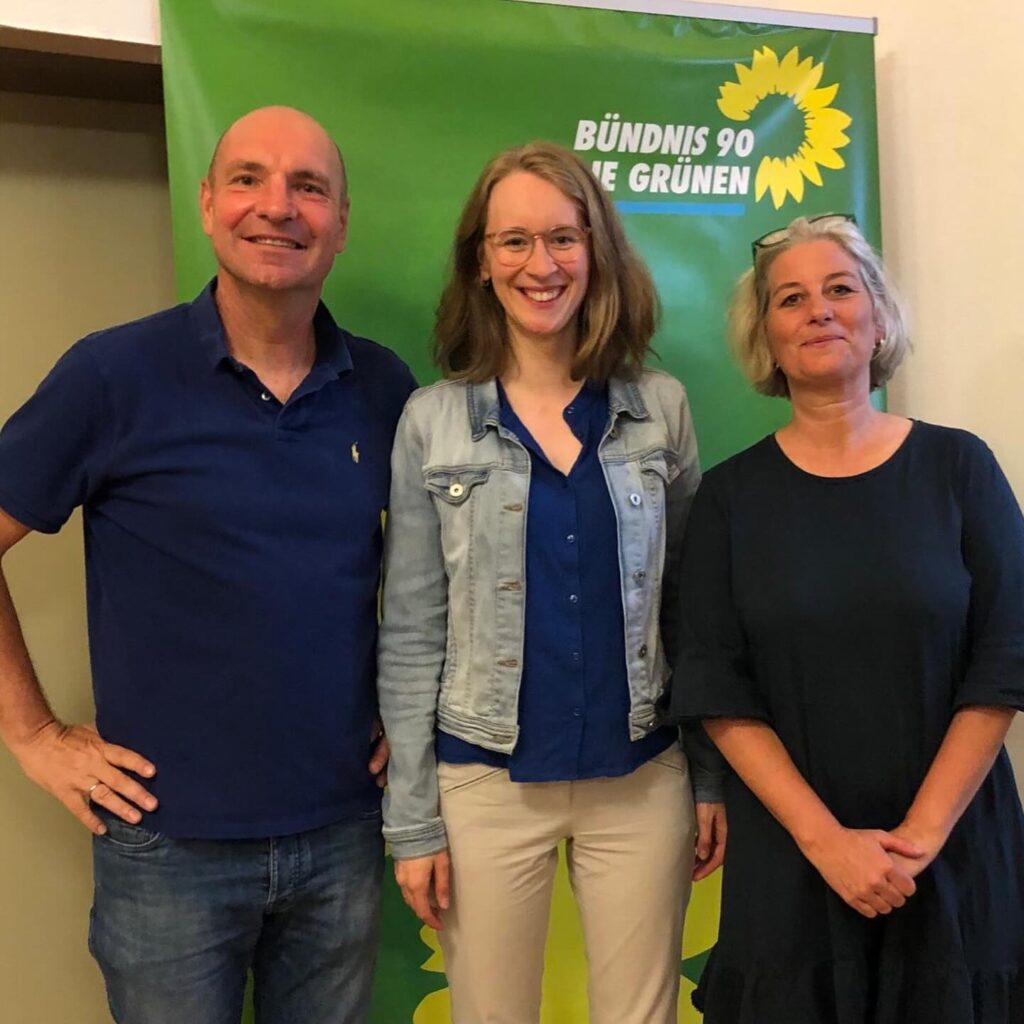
{"points": [[484, 407], [332, 351], [624, 399]]}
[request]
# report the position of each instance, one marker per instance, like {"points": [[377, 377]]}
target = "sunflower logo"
{"points": [[788, 89]]}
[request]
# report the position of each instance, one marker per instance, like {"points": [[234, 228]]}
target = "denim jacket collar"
{"points": [[624, 399]]}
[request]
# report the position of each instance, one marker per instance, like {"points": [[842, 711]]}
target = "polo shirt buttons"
{"points": [[635, 499], [574, 598], [264, 396]]}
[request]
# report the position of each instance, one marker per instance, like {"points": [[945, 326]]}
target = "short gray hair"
{"points": [[749, 306]]}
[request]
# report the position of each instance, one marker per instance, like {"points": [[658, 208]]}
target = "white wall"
{"points": [[131, 21]]}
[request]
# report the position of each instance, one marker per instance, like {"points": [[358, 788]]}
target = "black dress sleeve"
{"points": [[993, 552], [712, 679]]}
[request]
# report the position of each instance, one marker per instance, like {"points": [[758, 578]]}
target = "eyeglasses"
{"points": [[513, 248], [782, 234]]}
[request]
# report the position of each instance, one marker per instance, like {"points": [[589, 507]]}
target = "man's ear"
{"points": [[206, 205], [343, 213]]}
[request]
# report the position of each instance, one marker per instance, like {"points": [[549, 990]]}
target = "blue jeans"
{"points": [[176, 924]]}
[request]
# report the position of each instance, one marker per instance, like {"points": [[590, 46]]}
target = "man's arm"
{"points": [[70, 762]]}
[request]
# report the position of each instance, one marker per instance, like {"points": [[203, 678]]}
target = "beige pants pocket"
{"points": [[674, 759], [453, 777]]}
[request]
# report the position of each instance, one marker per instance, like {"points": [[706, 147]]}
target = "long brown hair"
{"points": [[619, 313]]}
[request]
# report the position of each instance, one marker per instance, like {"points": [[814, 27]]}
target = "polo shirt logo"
{"points": [[355, 451]]}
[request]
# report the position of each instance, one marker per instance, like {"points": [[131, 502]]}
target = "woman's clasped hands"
{"points": [[872, 870]]}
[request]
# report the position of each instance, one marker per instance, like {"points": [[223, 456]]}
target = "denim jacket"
{"points": [[451, 639]]}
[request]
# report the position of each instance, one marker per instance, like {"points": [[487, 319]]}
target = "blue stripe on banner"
{"points": [[683, 209]]}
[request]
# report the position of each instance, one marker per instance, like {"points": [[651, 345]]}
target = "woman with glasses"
{"points": [[538, 497], [853, 640]]}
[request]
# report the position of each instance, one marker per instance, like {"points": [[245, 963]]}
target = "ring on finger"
{"points": [[89, 792]]}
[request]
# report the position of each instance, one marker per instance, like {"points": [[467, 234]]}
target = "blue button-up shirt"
{"points": [[574, 696]]}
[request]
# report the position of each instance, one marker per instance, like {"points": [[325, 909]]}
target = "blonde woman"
{"points": [[854, 644]]}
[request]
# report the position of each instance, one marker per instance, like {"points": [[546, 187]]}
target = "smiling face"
{"points": [[272, 204], [542, 296], [820, 324]]}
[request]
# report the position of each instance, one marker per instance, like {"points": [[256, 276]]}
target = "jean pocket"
{"points": [[451, 778], [125, 836], [455, 484], [660, 463]]}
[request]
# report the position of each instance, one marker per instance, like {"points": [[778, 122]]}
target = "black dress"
{"points": [[855, 616]]}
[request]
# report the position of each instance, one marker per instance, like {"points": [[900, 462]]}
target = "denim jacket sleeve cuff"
{"points": [[417, 840]]}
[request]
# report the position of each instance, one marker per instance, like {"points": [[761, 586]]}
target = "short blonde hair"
{"points": [[620, 310], [748, 309]]}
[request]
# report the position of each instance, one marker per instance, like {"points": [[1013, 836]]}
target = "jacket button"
{"points": [[635, 499], [643, 651], [640, 575], [455, 490]]}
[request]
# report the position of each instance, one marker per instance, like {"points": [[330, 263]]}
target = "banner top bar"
{"points": [[725, 12]]}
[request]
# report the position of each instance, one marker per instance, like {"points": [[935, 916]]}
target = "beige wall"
{"points": [[83, 197], [86, 222]]}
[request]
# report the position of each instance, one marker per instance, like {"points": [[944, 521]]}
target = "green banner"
{"points": [[707, 133]]}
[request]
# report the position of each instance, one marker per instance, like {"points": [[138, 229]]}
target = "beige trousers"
{"points": [[629, 848]]}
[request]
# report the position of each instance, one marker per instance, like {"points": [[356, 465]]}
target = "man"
{"points": [[231, 457]]}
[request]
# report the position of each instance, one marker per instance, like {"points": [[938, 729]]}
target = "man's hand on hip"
{"points": [[77, 766]]}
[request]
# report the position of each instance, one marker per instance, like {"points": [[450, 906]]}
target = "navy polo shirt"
{"points": [[232, 551], [574, 695]]}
